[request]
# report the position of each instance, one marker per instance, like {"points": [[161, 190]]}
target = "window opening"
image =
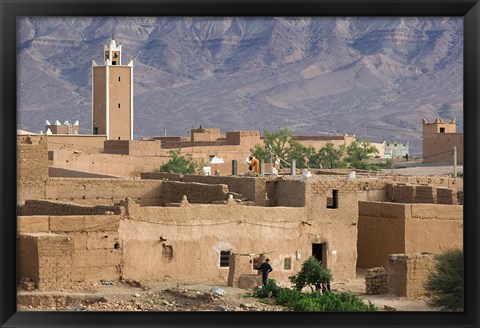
{"points": [[287, 263], [118, 105], [119, 79], [225, 259], [332, 199], [442, 130]]}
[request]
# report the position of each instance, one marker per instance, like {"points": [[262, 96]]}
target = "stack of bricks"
{"points": [[446, 196], [376, 281], [404, 193], [460, 197], [425, 194]]}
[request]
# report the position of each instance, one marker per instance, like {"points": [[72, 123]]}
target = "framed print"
{"points": [[168, 189]]}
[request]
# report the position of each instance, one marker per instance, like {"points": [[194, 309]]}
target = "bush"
{"points": [[446, 284], [270, 290], [312, 274], [179, 164], [316, 301]]}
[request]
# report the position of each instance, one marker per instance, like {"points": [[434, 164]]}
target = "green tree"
{"points": [[327, 157], [300, 154], [358, 152], [311, 274], [445, 283], [280, 144], [179, 163], [276, 143]]}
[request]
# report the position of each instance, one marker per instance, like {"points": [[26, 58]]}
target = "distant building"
{"points": [[58, 128], [395, 149], [112, 95], [439, 140]]}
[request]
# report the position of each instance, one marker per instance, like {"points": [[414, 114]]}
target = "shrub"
{"points": [[270, 290], [446, 284], [316, 301], [312, 274], [179, 164]]}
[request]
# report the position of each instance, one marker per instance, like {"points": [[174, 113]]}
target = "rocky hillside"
{"points": [[312, 75]]}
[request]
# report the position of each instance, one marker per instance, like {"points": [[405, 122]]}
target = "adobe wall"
{"points": [[73, 249], [200, 232], [433, 228], [254, 189], [74, 141], [439, 148], [407, 273], [92, 191], [381, 231], [46, 259], [110, 164], [390, 228], [199, 193], [42, 207], [133, 147], [32, 162]]}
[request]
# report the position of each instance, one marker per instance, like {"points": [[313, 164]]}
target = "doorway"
{"points": [[319, 252]]}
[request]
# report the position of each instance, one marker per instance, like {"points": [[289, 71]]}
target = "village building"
{"points": [[94, 207], [439, 141]]}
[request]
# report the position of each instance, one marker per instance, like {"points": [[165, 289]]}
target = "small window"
{"points": [[225, 259], [287, 263], [442, 130], [118, 105], [119, 79], [332, 199]]}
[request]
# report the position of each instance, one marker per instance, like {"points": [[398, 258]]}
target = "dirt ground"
{"points": [[188, 296]]}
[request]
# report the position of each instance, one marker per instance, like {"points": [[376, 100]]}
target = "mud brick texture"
{"points": [[46, 259]]}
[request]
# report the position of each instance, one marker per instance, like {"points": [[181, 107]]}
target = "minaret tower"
{"points": [[112, 95]]}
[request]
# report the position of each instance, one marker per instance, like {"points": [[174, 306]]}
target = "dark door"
{"points": [[318, 250]]}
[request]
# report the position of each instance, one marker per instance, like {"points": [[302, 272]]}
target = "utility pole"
{"points": [[454, 162]]}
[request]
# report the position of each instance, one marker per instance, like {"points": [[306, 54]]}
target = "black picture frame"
{"points": [[468, 9]]}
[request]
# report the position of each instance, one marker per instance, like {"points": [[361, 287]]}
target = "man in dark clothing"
{"points": [[265, 268]]}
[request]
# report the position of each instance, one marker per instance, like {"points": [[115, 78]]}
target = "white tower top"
{"points": [[112, 53]]}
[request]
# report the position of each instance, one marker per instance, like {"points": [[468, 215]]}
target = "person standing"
{"points": [[254, 164], [266, 268]]}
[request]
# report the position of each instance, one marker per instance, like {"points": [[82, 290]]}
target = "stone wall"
{"points": [[43, 207], [376, 281], [407, 273], [32, 162]]}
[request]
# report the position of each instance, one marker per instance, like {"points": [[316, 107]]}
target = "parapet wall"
{"points": [[92, 191], [43, 207], [133, 147], [200, 193], [407, 273]]}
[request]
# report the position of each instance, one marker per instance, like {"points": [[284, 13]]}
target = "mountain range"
{"points": [[376, 77]]}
